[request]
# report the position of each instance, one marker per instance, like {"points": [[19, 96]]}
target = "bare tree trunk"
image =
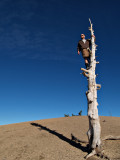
{"points": [[94, 131]]}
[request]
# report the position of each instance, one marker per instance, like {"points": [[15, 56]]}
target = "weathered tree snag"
{"points": [[94, 131]]}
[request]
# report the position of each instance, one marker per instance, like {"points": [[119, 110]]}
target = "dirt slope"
{"points": [[50, 139]]}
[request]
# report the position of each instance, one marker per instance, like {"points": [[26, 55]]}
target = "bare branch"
{"points": [[86, 75], [110, 137], [98, 86], [97, 62], [85, 70]]}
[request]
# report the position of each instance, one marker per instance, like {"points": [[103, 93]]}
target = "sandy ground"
{"points": [[50, 139]]}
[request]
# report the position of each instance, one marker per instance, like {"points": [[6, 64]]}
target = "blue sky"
{"points": [[39, 66]]}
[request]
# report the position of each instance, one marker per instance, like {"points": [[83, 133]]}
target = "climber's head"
{"points": [[82, 36]]}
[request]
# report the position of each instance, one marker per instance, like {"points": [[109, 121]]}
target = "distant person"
{"points": [[84, 47]]}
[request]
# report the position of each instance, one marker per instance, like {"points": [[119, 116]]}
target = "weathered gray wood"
{"points": [[94, 131]]}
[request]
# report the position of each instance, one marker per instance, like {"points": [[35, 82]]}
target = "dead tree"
{"points": [[94, 131]]}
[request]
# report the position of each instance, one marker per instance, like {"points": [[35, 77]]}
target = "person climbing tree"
{"points": [[84, 47], [94, 131]]}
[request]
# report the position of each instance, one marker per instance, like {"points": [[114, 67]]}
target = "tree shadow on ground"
{"points": [[62, 137]]}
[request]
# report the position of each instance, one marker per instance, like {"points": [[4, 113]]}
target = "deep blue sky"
{"points": [[39, 66]]}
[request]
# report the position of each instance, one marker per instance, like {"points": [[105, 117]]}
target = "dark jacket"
{"points": [[82, 45]]}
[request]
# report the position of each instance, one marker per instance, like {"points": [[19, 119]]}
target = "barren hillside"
{"points": [[50, 139]]}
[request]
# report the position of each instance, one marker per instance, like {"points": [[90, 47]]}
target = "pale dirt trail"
{"points": [[50, 139]]}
